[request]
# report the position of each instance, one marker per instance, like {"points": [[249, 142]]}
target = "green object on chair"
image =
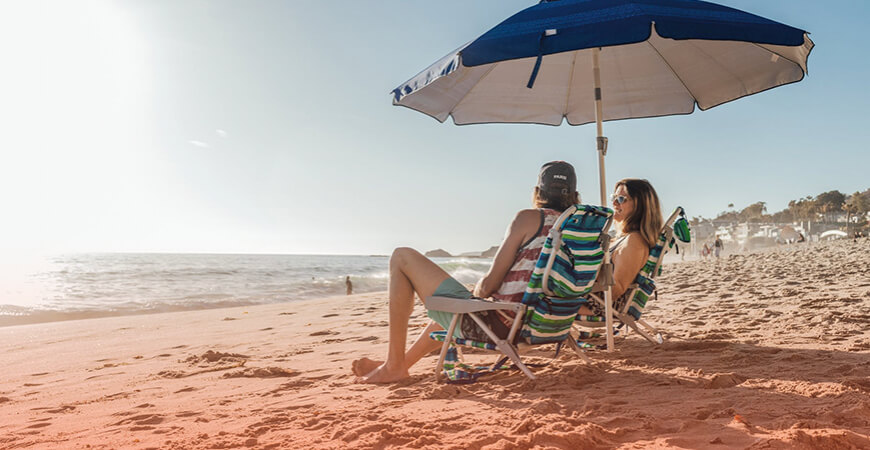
{"points": [[681, 229]]}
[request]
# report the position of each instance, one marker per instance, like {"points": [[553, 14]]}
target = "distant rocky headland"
{"points": [[440, 253]]}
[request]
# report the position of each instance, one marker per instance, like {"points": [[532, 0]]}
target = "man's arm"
{"points": [[521, 229]]}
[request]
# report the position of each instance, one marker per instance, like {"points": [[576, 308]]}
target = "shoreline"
{"points": [[104, 314]]}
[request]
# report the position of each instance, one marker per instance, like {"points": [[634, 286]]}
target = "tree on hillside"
{"points": [[865, 201], [753, 212], [784, 216], [803, 209], [728, 215], [855, 204], [830, 202]]}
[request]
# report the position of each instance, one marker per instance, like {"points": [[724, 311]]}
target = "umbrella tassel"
{"points": [[540, 58], [534, 75]]}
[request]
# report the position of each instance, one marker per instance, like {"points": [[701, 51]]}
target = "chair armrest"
{"points": [[463, 306]]}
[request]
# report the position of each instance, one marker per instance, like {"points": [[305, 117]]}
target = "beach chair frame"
{"points": [[523, 312], [635, 295]]}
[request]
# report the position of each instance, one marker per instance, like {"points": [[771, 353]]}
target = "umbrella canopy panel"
{"points": [[605, 23]]}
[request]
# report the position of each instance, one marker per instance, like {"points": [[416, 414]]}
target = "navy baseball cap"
{"points": [[557, 177]]}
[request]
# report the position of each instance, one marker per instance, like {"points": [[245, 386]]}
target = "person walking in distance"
{"points": [[349, 285], [717, 247]]}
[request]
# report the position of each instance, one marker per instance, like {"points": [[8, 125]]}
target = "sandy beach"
{"points": [[763, 350]]}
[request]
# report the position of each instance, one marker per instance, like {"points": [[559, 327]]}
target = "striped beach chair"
{"points": [[564, 274], [628, 309]]}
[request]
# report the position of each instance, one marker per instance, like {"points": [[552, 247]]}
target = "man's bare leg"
{"points": [[410, 272], [421, 347]]}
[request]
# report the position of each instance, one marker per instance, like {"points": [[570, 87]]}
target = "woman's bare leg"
{"points": [[410, 272]]}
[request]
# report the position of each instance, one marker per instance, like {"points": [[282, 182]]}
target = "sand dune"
{"points": [[764, 350]]}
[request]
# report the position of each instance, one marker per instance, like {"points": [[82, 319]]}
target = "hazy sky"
{"points": [[267, 127]]}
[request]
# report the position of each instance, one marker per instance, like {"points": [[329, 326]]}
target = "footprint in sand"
{"points": [[290, 386], [62, 409], [261, 372], [212, 356], [724, 380], [140, 421], [330, 315], [323, 333]]}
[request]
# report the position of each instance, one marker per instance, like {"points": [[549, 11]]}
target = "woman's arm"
{"points": [[521, 229], [628, 259]]}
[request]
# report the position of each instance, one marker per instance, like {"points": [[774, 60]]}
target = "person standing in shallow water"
{"points": [[349, 285], [411, 272]]}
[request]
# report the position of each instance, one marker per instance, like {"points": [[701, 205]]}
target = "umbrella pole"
{"points": [[602, 151]]}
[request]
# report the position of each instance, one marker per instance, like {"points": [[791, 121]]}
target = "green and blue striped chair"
{"points": [[564, 274], [629, 308]]}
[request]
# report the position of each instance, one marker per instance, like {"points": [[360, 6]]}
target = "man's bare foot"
{"points": [[383, 374], [364, 366]]}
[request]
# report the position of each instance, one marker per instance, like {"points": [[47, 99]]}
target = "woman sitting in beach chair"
{"points": [[638, 218], [506, 279]]}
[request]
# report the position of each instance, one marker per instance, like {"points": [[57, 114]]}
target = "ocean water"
{"points": [[102, 284]]}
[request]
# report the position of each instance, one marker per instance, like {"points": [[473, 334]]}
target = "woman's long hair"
{"points": [[557, 201], [646, 218]]}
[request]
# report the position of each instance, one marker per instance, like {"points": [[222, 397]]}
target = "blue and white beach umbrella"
{"points": [[655, 58], [597, 60]]}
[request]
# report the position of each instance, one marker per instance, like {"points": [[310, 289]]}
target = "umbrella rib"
{"points": [[570, 84], [452, 108], [695, 100]]}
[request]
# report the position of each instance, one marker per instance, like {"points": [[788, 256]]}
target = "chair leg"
{"points": [[652, 329], [631, 323], [511, 353], [573, 344], [439, 367], [503, 346], [495, 364]]}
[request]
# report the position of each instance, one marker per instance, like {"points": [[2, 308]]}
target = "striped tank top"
{"points": [[514, 284]]}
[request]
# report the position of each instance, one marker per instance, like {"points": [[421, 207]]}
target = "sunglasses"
{"points": [[619, 199]]}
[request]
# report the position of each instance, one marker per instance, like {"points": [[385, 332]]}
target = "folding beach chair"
{"points": [[564, 273], [627, 310]]}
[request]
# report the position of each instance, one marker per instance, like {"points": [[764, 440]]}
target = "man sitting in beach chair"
{"points": [[632, 300], [411, 272], [566, 270]]}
